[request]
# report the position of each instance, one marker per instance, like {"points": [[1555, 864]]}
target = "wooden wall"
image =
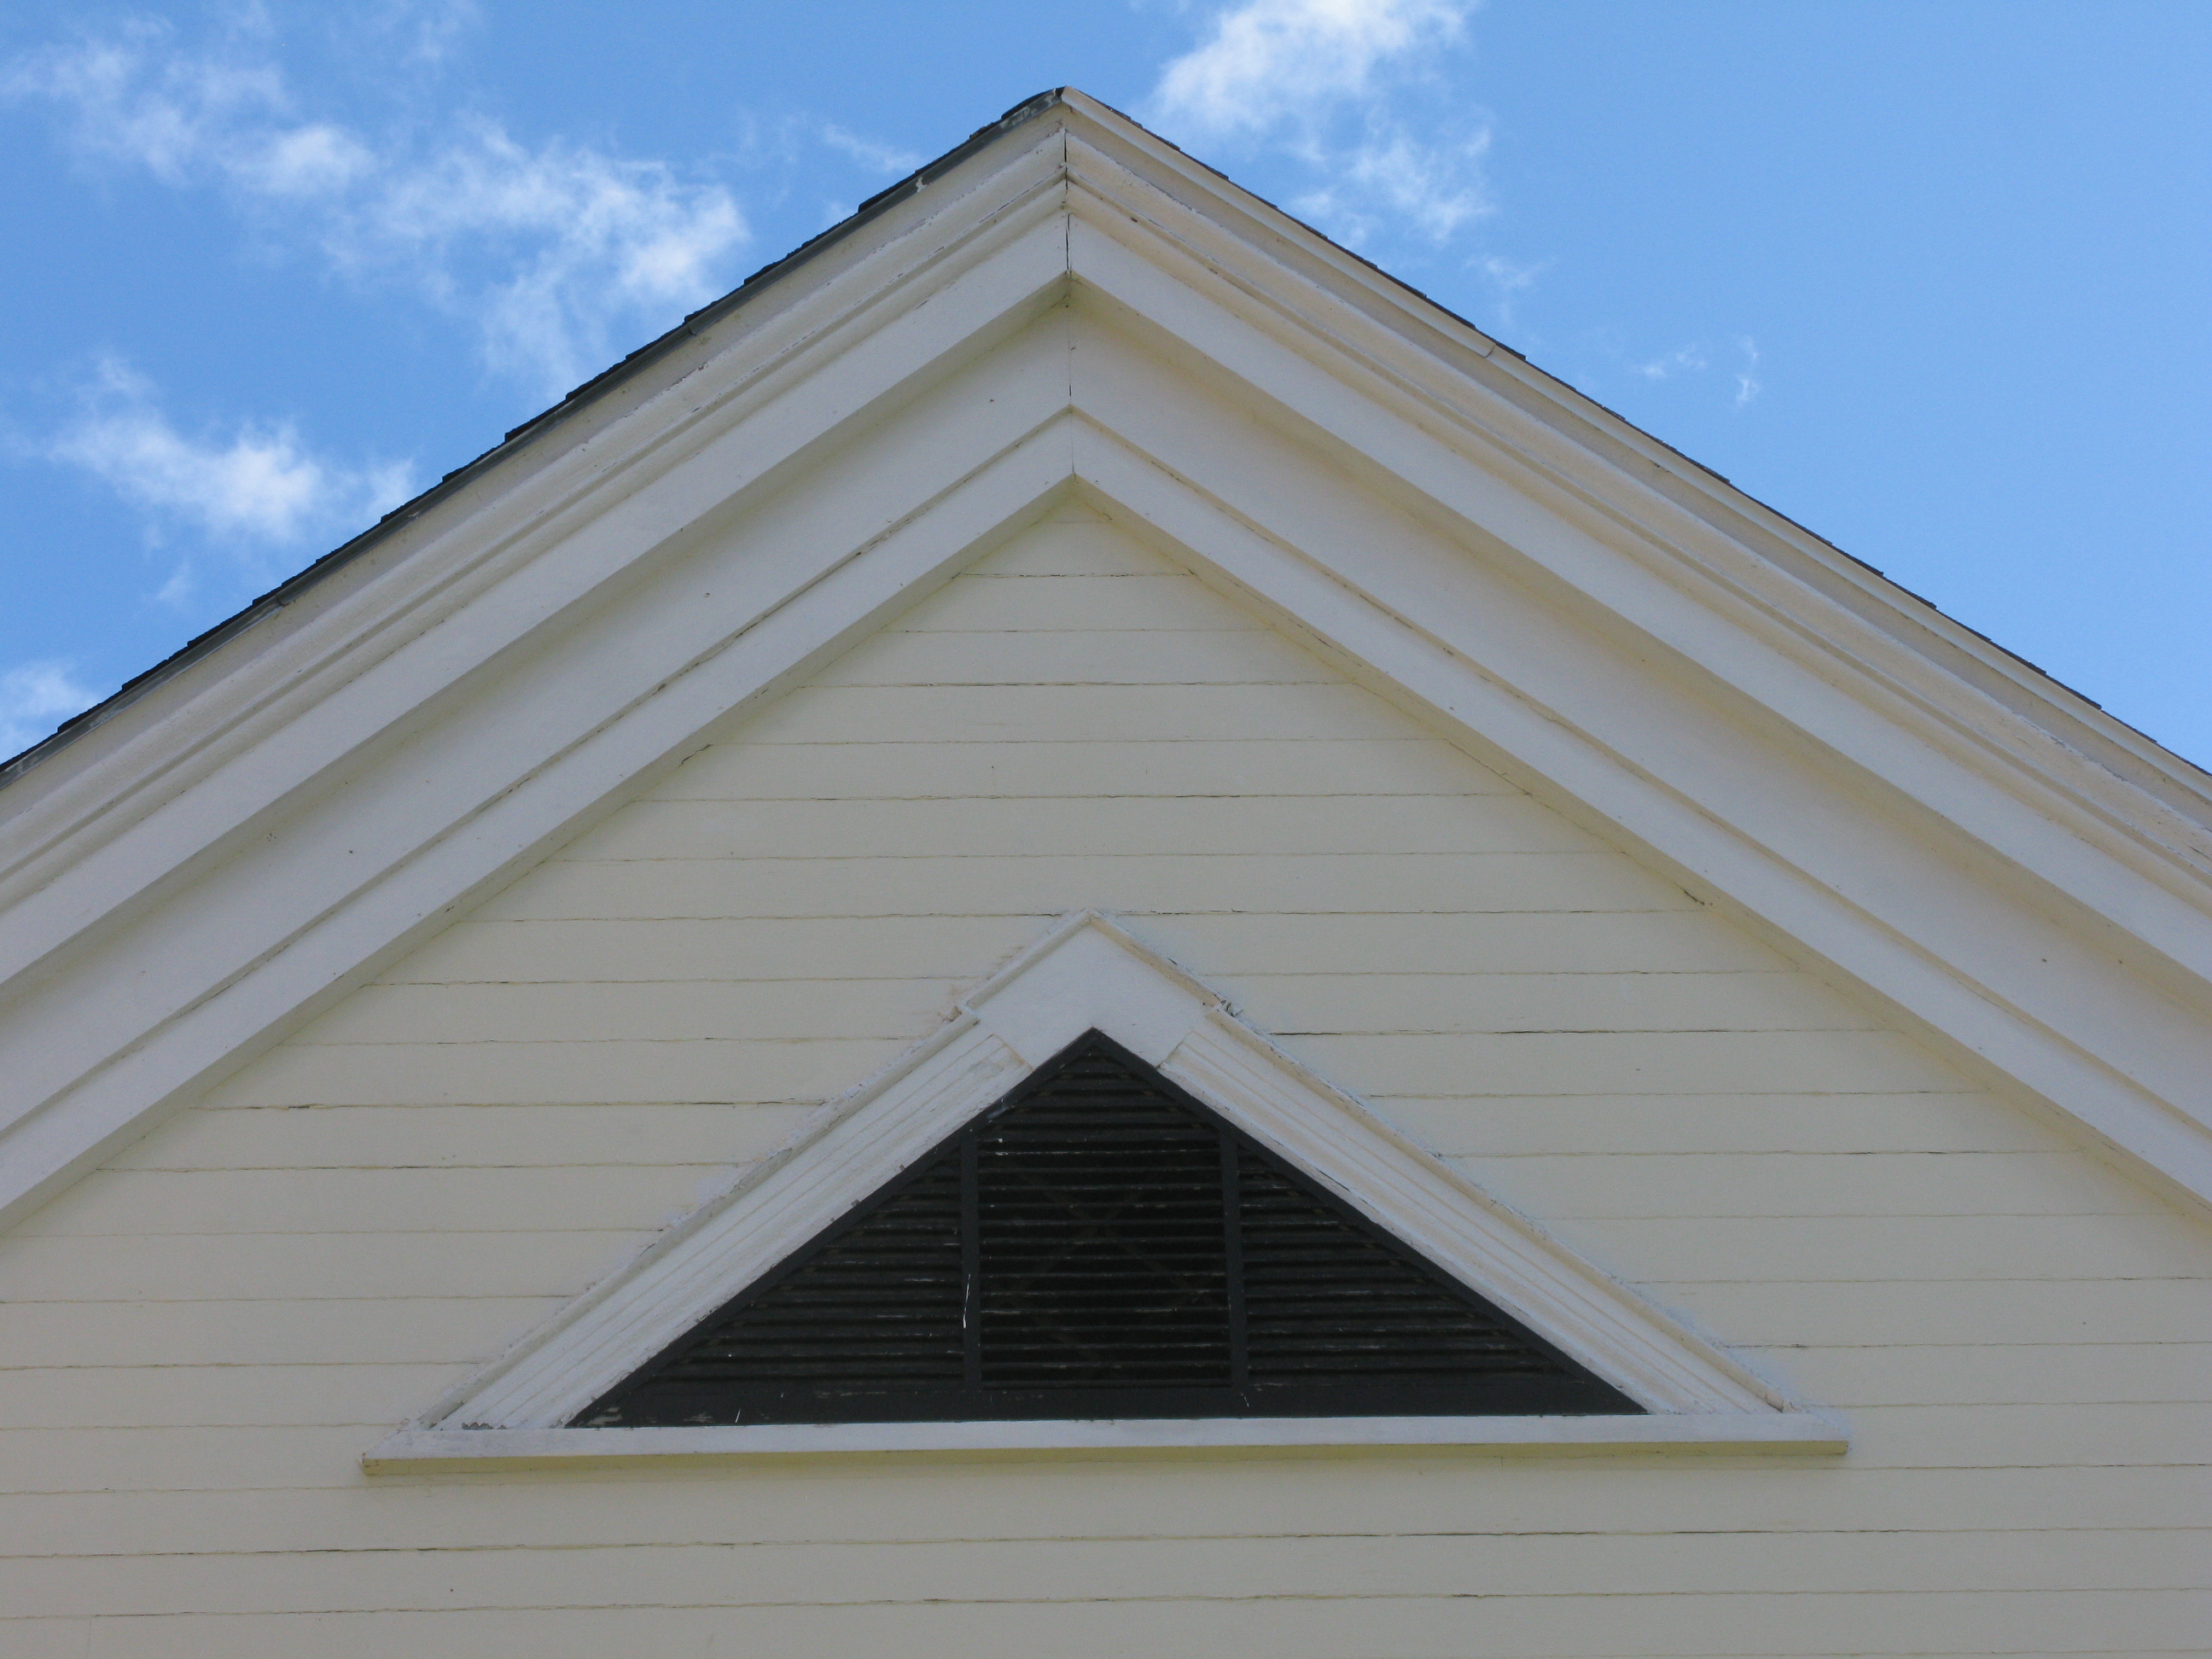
{"points": [[200, 1339]]}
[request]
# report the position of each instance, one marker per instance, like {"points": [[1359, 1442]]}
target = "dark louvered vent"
{"points": [[1100, 1244]]}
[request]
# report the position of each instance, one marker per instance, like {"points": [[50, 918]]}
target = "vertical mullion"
{"points": [[971, 1266], [1232, 1238]]}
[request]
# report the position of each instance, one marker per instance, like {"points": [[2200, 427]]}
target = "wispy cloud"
{"points": [[35, 698], [248, 490], [1509, 279], [1747, 383], [1682, 360], [426, 31], [1329, 82], [1698, 358], [1267, 57], [868, 153], [131, 99], [547, 249]]}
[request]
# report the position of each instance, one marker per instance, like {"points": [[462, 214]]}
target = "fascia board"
{"points": [[391, 722], [1402, 390], [1130, 188], [1768, 672], [1569, 738], [1131, 171], [194, 989], [1086, 974], [1776, 664], [888, 244], [439, 626], [1455, 403], [758, 370], [390, 912]]}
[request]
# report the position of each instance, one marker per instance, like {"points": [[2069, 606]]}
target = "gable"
{"points": [[1541, 821], [456, 1154], [1074, 723], [565, 1070], [1074, 308]]}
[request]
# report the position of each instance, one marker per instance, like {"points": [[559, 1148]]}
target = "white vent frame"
{"points": [[1089, 973]]}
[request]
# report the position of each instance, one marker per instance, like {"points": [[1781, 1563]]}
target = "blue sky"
{"points": [[1930, 278]]}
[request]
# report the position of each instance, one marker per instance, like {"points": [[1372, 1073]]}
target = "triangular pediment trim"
{"points": [[1088, 974], [1100, 1243], [1992, 865]]}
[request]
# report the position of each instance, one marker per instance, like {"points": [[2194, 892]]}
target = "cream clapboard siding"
{"points": [[202, 1338]]}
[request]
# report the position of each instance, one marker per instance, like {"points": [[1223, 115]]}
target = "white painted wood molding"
{"points": [[458, 1451], [1990, 862], [1086, 974]]}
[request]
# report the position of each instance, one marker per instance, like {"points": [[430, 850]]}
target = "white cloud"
{"points": [[1683, 360], [303, 162], [1747, 383], [1696, 358], [1434, 188], [547, 249], [132, 99], [1509, 278], [35, 698], [1330, 83], [427, 30], [1271, 60], [254, 487], [868, 153]]}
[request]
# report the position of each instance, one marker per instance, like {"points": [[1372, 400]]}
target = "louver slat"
{"points": [[1099, 1244], [1102, 1256]]}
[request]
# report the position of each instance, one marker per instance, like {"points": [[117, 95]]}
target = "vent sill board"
{"points": [[425, 1451]]}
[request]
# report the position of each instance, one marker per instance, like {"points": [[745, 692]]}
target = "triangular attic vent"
{"points": [[1350, 1290], [1098, 1243]]}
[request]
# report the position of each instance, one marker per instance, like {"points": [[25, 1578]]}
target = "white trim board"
{"points": [[1894, 802], [462, 1451], [1087, 973]]}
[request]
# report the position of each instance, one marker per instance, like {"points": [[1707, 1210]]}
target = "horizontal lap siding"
{"points": [[1662, 1499], [198, 1340], [866, 947], [1300, 1625], [1135, 1570]]}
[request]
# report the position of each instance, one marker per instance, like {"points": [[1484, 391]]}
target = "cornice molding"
{"points": [[1747, 565], [1127, 182], [1077, 305]]}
